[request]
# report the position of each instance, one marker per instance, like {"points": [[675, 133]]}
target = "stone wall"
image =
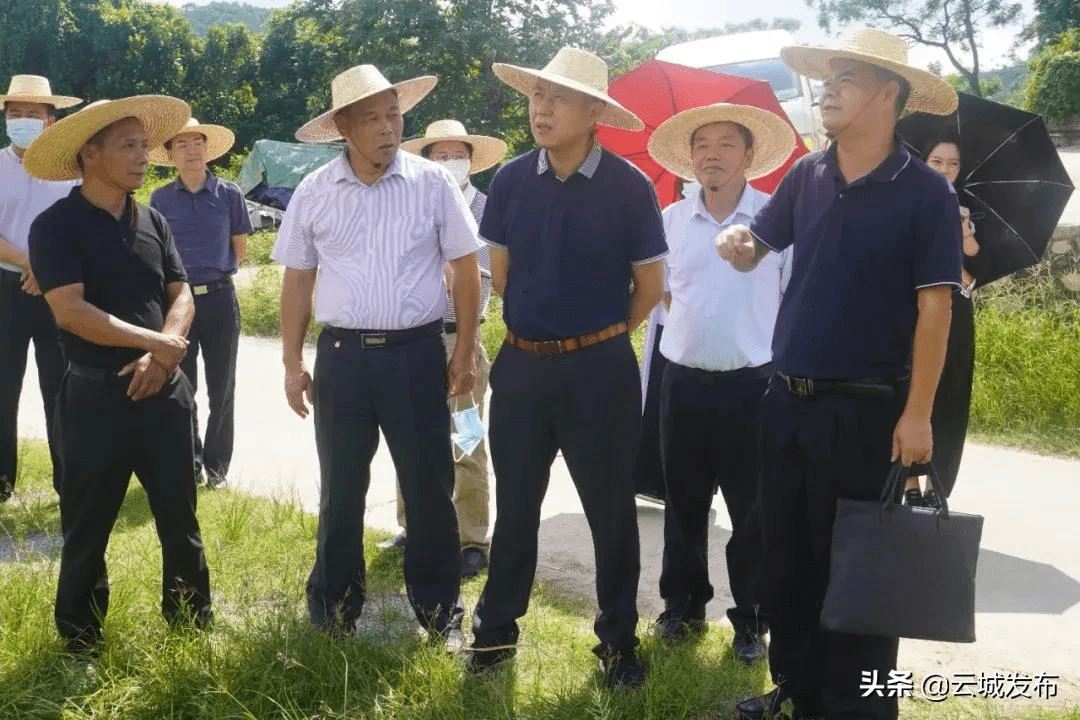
{"points": [[1063, 257]]}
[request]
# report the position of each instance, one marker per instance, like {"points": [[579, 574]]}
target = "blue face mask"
{"points": [[468, 431], [24, 131]]}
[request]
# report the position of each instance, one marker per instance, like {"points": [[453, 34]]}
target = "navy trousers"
{"points": [[648, 471], [587, 404], [814, 451], [215, 332], [401, 390], [709, 429], [24, 318], [104, 437]]}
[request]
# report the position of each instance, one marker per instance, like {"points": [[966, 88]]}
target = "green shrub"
{"points": [[1053, 89], [1027, 377], [259, 245]]}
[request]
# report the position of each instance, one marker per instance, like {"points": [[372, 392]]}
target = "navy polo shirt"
{"points": [[124, 265], [862, 251], [572, 243], [203, 224]]}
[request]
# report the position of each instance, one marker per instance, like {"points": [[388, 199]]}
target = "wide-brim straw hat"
{"points": [[929, 94], [53, 155], [774, 139], [219, 140], [486, 151], [578, 70], [36, 89], [354, 85]]}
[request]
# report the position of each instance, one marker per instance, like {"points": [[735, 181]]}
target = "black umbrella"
{"points": [[1011, 179]]}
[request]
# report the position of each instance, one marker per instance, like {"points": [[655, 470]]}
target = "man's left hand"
{"points": [[462, 371], [147, 377], [913, 441], [29, 284]]}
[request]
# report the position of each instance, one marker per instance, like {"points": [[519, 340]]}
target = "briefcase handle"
{"points": [[898, 474]]}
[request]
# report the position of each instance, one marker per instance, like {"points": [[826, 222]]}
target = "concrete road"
{"points": [[1028, 590], [1071, 158]]}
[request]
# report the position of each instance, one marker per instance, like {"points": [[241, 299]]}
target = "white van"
{"points": [[756, 55]]}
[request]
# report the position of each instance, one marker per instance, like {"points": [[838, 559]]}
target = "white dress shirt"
{"points": [[22, 199], [379, 249], [720, 319]]}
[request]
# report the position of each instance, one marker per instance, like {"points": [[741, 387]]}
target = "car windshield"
{"points": [[781, 78]]}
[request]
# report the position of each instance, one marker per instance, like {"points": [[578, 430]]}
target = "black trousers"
{"points": [[709, 429], [104, 437], [814, 451], [24, 318], [648, 472], [402, 390], [587, 404], [215, 332], [952, 403]]}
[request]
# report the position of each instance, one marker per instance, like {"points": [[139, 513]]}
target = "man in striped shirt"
{"points": [[447, 143], [372, 231]]}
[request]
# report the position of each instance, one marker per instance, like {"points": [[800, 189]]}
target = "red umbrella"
{"points": [[658, 90]]}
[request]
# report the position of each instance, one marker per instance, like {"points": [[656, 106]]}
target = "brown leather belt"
{"points": [[557, 347]]}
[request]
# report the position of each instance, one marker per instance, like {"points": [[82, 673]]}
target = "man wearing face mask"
{"points": [[447, 143], [29, 107]]}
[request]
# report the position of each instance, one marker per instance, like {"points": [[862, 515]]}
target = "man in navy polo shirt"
{"points": [[570, 227], [210, 222], [859, 344]]}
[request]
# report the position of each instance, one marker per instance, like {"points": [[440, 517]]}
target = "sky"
{"points": [[994, 52]]}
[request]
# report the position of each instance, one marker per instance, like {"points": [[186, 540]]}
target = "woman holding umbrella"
{"points": [[953, 399]]}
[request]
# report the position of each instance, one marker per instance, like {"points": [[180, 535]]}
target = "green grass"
{"points": [[262, 660], [259, 245], [1026, 391]]}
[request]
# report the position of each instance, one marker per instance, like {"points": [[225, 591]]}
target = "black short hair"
{"points": [[886, 76], [748, 137], [946, 137], [425, 152]]}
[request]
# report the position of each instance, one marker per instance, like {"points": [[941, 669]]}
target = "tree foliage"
{"points": [[953, 26], [1053, 89], [203, 17]]}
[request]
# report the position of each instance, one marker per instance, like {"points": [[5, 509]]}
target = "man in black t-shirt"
{"points": [[112, 277]]}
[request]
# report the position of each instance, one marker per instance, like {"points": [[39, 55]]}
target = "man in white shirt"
{"points": [[373, 230], [717, 342], [29, 107]]}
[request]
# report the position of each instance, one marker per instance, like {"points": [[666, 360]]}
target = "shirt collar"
{"points": [[744, 207], [341, 171], [587, 168], [10, 150], [887, 171], [130, 217], [210, 185]]}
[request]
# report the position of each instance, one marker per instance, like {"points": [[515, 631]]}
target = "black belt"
{"points": [[372, 339], [12, 275], [97, 374], [208, 288], [864, 387], [450, 328], [718, 377]]}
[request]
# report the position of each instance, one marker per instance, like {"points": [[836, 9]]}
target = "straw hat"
{"points": [[929, 94], [218, 141], [774, 139], [486, 150], [35, 89], [53, 155], [578, 70], [354, 85]]}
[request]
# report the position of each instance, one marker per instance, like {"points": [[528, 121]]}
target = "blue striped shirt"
{"points": [[477, 200], [379, 249]]}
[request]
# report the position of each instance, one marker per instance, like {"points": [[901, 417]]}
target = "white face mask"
{"points": [[24, 131], [458, 168]]}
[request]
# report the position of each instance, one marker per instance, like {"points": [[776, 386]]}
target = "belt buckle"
{"points": [[801, 386], [200, 289], [549, 347], [373, 340]]}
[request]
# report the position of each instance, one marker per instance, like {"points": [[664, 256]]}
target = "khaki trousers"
{"points": [[471, 490]]}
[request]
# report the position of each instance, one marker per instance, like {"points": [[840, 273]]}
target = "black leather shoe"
{"points": [[398, 542], [931, 499], [5, 489], [472, 562], [914, 498], [481, 661], [673, 627], [775, 705], [748, 648], [86, 645], [621, 668]]}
